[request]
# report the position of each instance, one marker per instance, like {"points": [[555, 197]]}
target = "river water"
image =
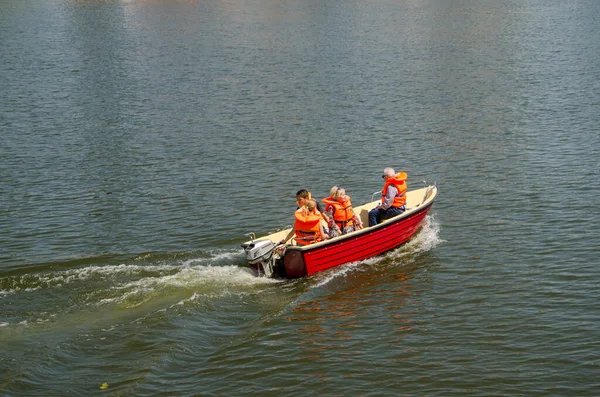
{"points": [[140, 141]]}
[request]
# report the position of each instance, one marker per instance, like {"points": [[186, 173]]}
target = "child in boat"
{"points": [[302, 196], [338, 207], [308, 227]]}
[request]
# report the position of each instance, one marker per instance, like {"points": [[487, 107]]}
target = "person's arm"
{"points": [[290, 234], [324, 235], [324, 214], [389, 197], [329, 214], [319, 208], [357, 222], [329, 211]]}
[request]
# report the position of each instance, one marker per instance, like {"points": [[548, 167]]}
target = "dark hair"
{"points": [[302, 193]]}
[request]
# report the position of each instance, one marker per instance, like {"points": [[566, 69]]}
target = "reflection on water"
{"points": [[330, 325]]}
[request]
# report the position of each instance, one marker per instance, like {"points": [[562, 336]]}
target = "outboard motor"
{"points": [[260, 252]]}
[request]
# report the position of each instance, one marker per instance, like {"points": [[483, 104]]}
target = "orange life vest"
{"points": [[399, 181], [307, 227], [342, 212]]}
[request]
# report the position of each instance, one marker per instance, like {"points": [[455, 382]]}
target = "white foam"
{"points": [[182, 302], [6, 292], [201, 275], [205, 281], [427, 238], [337, 272]]}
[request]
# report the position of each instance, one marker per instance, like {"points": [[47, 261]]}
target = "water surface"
{"points": [[141, 140]]}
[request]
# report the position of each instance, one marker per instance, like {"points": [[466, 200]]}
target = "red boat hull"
{"points": [[305, 261]]}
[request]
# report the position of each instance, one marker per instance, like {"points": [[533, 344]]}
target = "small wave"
{"points": [[217, 257], [341, 271], [184, 301]]}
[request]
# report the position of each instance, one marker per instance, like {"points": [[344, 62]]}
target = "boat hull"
{"points": [[301, 262]]}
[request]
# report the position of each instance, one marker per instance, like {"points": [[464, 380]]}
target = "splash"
{"points": [[425, 240], [201, 280]]}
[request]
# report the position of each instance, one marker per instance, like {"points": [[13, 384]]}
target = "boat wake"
{"points": [[143, 284]]}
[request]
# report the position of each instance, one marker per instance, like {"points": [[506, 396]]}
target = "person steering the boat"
{"points": [[338, 207], [308, 228], [393, 197]]}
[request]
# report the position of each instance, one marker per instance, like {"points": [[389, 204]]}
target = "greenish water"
{"points": [[141, 140]]}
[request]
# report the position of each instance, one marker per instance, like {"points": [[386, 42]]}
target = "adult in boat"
{"points": [[307, 227], [393, 197], [338, 207]]}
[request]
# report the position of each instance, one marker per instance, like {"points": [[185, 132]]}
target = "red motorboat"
{"points": [[265, 255]]}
